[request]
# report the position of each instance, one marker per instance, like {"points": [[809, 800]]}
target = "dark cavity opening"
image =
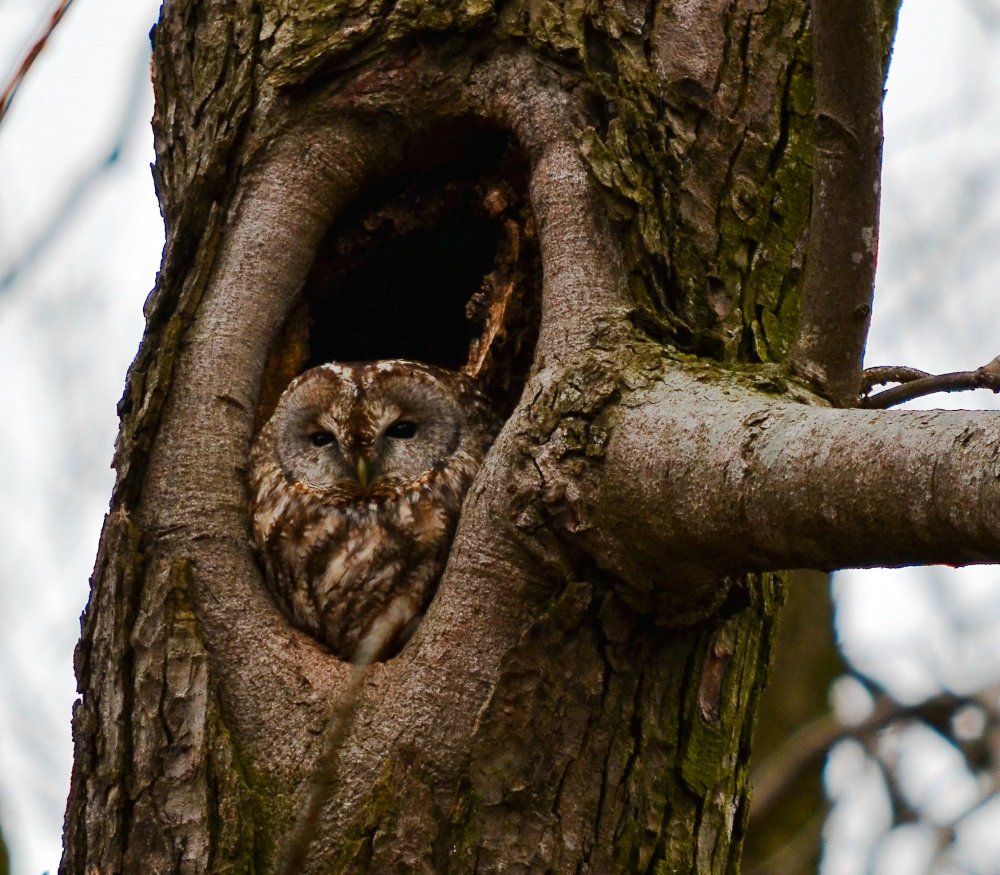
{"points": [[438, 263]]}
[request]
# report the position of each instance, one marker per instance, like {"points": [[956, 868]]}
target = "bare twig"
{"points": [[916, 384], [882, 374], [843, 225], [7, 95]]}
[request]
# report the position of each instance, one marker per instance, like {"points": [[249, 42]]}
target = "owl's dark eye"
{"points": [[401, 428], [321, 438]]}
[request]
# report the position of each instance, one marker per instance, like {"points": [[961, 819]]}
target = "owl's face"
{"points": [[359, 430], [356, 485]]}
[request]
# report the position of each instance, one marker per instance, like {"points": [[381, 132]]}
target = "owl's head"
{"points": [[363, 429]]}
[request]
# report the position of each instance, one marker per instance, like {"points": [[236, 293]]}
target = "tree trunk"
{"points": [[581, 693]]}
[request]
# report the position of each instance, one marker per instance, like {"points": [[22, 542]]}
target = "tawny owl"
{"points": [[356, 485]]}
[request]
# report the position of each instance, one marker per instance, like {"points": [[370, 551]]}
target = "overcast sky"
{"points": [[69, 327], [71, 320]]}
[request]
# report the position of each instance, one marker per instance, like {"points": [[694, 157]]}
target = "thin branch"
{"points": [[916, 384], [7, 95], [843, 225], [882, 374], [806, 749]]}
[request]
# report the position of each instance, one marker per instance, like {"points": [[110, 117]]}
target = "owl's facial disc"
{"points": [[309, 440], [415, 431], [364, 430]]}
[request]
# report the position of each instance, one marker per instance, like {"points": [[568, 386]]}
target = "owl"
{"points": [[356, 484]]}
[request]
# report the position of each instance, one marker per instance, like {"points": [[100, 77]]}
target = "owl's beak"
{"points": [[364, 472]]}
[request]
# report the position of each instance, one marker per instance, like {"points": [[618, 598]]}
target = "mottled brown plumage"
{"points": [[356, 485]]}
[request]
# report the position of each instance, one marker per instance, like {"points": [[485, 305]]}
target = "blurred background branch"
{"points": [[10, 89], [74, 197]]}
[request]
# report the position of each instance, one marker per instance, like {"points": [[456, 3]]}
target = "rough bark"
{"points": [[581, 693]]}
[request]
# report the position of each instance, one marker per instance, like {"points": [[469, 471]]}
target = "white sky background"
{"points": [[70, 326], [68, 330]]}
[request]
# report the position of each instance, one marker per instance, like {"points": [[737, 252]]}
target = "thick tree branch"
{"points": [[840, 260], [738, 481]]}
